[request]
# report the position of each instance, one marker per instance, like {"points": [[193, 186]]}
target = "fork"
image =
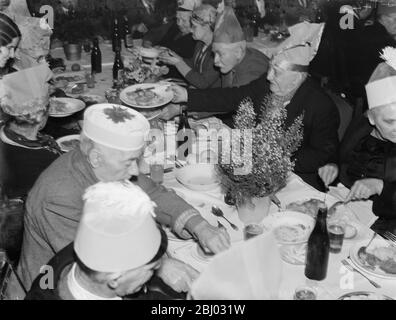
{"points": [[347, 264], [390, 236]]}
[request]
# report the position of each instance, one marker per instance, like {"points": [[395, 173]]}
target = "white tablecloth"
{"points": [[339, 280]]}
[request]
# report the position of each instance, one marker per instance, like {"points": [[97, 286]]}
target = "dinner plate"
{"points": [[149, 114], [364, 295], [63, 107], [289, 227], [370, 265], [162, 96], [66, 143], [71, 77], [198, 177]]}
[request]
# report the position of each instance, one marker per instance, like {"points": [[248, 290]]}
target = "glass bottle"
{"points": [[128, 39], [118, 65], [116, 40], [183, 135], [96, 57], [318, 249]]}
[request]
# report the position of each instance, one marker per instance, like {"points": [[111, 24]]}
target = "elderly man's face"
{"points": [[225, 58], [389, 22], [282, 81], [183, 21], [8, 52], [119, 165], [384, 119]]}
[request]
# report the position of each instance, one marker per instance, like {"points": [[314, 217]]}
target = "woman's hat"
{"points": [[26, 91]]}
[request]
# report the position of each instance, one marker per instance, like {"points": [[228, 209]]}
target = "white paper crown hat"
{"points": [[188, 5], [117, 231], [116, 126], [381, 89]]}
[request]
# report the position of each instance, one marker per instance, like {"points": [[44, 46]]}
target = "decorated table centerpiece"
{"points": [[260, 159]]}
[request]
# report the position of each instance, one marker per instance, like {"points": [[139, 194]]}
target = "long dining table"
{"points": [[339, 281]]}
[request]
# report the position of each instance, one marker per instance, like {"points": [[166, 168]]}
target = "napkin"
{"points": [[251, 270]]}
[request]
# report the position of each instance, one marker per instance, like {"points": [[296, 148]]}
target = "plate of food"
{"points": [[289, 227], [364, 295], [91, 99], [69, 143], [146, 95], [63, 107], [378, 260], [62, 80]]}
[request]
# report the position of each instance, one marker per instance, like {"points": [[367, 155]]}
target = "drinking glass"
{"points": [[305, 292], [157, 172], [336, 236], [90, 78]]}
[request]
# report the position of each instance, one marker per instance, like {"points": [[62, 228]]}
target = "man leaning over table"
{"points": [[287, 85], [112, 142]]}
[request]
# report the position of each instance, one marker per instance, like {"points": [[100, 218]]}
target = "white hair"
{"points": [[121, 199]]}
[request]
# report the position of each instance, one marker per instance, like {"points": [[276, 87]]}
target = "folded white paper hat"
{"points": [[188, 5], [117, 231], [116, 126], [381, 89]]}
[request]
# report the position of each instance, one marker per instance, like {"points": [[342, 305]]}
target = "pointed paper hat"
{"points": [[36, 33], [117, 231], [188, 5], [227, 29], [301, 46], [381, 89], [116, 126], [26, 91]]}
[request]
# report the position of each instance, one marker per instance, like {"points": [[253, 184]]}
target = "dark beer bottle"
{"points": [[318, 249], [118, 65], [183, 135], [96, 57], [116, 40], [128, 39]]}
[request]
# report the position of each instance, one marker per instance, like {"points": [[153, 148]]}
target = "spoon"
{"points": [[219, 213], [363, 250]]}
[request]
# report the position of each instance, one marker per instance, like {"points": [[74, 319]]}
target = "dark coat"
{"points": [[363, 156], [321, 119]]}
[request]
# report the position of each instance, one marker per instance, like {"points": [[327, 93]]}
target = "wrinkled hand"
{"points": [[212, 238], [170, 57], [328, 173], [132, 280], [365, 188], [169, 112], [180, 94], [176, 274]]}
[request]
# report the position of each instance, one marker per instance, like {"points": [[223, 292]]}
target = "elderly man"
{"points": [[367, 153], [112, 142], [238, 64], [289, 86], [118, 248]]}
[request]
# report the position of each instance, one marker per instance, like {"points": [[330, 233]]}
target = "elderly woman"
{"points": [[26, 151], [200, 70], [10, 36], [289, 87], [368, 151]]}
